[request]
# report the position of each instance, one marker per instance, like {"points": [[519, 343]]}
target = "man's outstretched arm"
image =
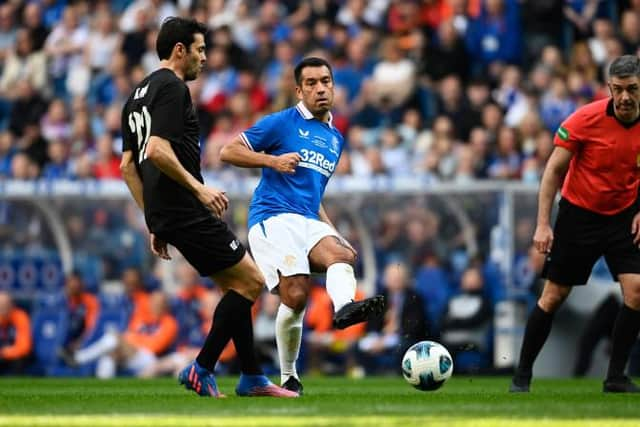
{"points": [[238, 154]]}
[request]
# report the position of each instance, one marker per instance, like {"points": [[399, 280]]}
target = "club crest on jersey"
{"points": [[289, 260], [303, 133], [335, 144]]}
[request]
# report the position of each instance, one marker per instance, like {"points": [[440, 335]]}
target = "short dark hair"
{"points": [[176, 30], [311, 61], [625, 66]]}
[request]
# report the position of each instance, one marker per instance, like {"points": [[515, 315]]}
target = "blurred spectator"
{"points": [[32, 21], [148, 335], [580, 15], [34, 145], [602, 31], [83, 309], [506, 161], [447, 54], [555, 104], [64, 47], [103, 41], [495, 38], [7, 150], [15, 337], [135, 292], [23, 167], [395, 157], [329, 350], [542, 22], [8, 30], [581, 61], [107, 163], [157, 11], [189, 346], [453, 105], [28, 107], [134, 40], [467, 321], [511, 96], [220, 82], [630, 31], [460, 12], [58, 166], [23, 63], [394, 77], [402, 324]]}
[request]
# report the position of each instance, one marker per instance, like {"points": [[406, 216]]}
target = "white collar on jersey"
{"points": [[304, 112]]}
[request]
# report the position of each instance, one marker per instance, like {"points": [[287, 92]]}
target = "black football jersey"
{"points": [[161, 106]]}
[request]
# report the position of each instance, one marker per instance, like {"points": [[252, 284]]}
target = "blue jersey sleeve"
{"points": [[263, 136]]}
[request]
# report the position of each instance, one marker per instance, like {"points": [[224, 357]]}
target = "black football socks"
{"points": [[535, 335], [242, 335], [624, 336], [219, 334]]}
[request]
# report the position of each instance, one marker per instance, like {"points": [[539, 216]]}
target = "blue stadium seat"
{"points": [[48, 331], [433, 286]]}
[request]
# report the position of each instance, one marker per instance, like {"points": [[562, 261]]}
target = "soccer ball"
{"points": [[427, 365]]}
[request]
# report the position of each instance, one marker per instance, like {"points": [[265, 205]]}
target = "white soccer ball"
{"points": [[427, 365]]}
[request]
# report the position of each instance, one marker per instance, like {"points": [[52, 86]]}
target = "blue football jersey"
{"points": [[319, 145]]}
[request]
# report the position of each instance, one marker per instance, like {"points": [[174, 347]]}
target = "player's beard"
{"points": [[192, 72], [628, 111]]}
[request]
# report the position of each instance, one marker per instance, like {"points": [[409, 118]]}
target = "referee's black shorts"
{"points": [[582, 236], [209, 245]]}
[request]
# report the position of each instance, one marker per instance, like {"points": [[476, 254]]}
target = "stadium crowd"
{"points": [[454, 90]]}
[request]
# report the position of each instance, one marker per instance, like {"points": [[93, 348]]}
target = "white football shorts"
{"points": [[282, 244]]}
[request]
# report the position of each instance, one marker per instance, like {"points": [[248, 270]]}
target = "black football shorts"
{"points": [[209, 245], [581, 237]]}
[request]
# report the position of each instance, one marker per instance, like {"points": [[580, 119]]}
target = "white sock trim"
{"points": [[288, 339], [341, 284]]}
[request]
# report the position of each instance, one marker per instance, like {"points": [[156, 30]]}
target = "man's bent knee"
{"points": [[632, 297], [630, 290], [294, 294], [553, 296]]}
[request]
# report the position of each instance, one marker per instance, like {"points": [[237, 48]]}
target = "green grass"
{"points": [[335, 402]]}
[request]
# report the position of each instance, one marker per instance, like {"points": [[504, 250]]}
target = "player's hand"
{"points": [[543, 238], [286, 163], [214, 200], [159, 247], [635, 229]]}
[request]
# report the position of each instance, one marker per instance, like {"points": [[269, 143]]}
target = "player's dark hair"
{"points": [[625, 66], [311, 61], [176, 30]]}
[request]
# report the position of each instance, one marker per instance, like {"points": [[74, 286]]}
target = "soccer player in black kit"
{"points": [[161, 166]]}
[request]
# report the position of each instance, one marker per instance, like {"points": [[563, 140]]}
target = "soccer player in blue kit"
{"points": [[290, 233]]}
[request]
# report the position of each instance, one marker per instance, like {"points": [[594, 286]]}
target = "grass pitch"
{"points": [[335, 402]]}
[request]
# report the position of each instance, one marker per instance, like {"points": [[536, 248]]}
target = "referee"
{"points": [[597, 162]]}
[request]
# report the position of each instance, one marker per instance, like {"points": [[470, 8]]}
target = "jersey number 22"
{"points": [[140, 124]]}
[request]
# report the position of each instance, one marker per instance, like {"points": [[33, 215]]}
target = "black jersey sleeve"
{"points": [[168, 111], [127, 139]]}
